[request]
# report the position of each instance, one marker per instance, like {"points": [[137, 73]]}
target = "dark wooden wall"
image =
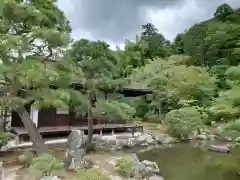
{"points": [[47, 117], [16, 120]]}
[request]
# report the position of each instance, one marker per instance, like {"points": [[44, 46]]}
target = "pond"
{"points": [[186, 162], [179, 162]]}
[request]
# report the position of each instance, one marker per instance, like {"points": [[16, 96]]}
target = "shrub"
{"points": [[232, 129], [223, 110], [234, 125], [124, 167], [26, 158], [46, 164], [4, 138], [91, 174], [182, 122]]}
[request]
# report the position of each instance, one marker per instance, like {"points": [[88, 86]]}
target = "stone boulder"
{"points": [[75, 150], [165, 139], [50, 178], [202, 137], [148, 138], [1, 170], [143, 169], [116, 142], [138, 168], [115, 177], [122, 143], [151, 167], [218, 148], [156, 177]]}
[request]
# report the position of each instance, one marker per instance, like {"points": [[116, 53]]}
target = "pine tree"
{"points": [[33, 33], [101, 74]]}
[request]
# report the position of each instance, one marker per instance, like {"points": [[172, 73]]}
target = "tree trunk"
{"points": [[5, 118], [2, 122], [35, 137], [90, 124]]}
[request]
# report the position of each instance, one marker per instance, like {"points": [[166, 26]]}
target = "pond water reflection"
{"points": [[185, 162]]}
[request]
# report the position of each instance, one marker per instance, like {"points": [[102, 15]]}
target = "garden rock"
{"points": [[122, 143], [202, 137], [75, 150], [156, 177], [115, 142], [96, 138], [50, 178], [148, 138], [1, 170], [220, 149], [110, 140], [151, 167], [140, 141], [115, 177], [138, 168], [165, 139], [237, 139]]}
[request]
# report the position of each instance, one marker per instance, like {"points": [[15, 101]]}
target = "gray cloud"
{"points": [[115, 20]]}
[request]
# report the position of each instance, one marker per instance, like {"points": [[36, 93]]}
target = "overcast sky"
{"points": [[117, 20]]}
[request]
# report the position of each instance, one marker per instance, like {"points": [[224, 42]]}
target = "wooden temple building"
{"points": [[53, 122]]}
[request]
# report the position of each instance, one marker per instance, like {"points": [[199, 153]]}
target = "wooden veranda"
{"points": [[64, 131]]}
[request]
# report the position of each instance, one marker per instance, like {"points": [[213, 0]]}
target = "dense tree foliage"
{"points": [[101, 73], [206, 78], [194, 79], [33, 33], [158, 46], [173, 82]]}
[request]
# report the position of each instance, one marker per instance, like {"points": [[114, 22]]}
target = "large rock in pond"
{"points": [[75, 150], [218, 148]]}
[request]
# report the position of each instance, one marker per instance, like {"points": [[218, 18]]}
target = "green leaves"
{"points": [[158, 46], [172, 82], [32, 34], [223, 11], [227, 106], [52, 36], [113, 110], [215, 38], [182, 122]]}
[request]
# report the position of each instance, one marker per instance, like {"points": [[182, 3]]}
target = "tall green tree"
{"points": [[133, 56], [215, 39], [226, 106], [174, 84], [178, 44], [101, 74], [158, 46], [32, 33], [223, 11]]}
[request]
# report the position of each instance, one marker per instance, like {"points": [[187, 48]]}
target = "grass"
{"points": [[124, 167]]}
